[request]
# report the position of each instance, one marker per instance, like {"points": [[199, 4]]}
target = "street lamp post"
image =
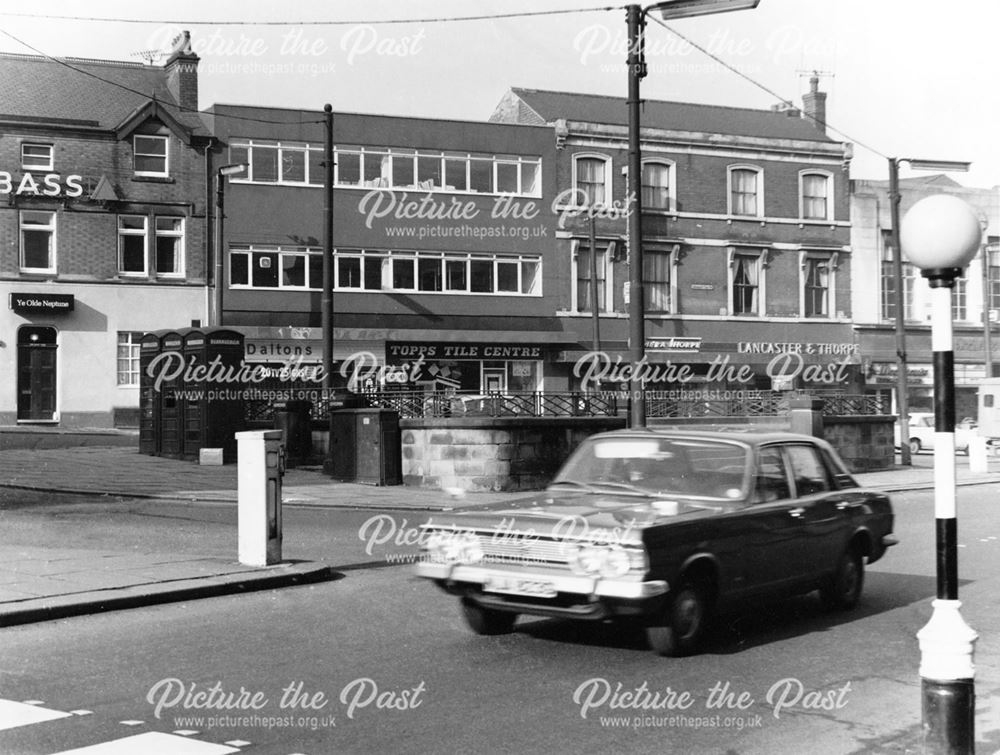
{"points": [[220, 200], [940, 235], [636, 15], [902, 383]]}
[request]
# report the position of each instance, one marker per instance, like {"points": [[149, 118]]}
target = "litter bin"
{"points": [[365, 447], [293, 417]]}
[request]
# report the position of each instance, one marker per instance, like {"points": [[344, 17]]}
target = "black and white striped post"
{"points": [[940, 235]]}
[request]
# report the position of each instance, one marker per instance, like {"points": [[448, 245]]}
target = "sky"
{"points": [[905, 78]]}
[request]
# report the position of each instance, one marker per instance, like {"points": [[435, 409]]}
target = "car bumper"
{"points": [[572, 595]]}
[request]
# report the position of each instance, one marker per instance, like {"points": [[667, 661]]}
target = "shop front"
{"points": [[727, 359], [379, 359], [882, 368]]}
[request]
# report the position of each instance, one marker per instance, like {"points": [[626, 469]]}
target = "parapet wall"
{"points": [[492, 453]]}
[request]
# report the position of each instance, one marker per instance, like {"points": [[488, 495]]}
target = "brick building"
{"points": [[102, 229], [443, 246], [746, 239]]}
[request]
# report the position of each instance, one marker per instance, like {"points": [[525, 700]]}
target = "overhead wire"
{"points": [[438, 19]]}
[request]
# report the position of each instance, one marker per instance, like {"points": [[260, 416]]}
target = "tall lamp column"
{"points": [[636, 63], [940, 235], [220, 218]]}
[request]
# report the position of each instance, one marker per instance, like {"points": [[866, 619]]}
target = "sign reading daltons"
{"points": [[42, 302]]}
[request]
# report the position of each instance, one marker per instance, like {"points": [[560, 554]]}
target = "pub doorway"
{"points": [[36, 374]]}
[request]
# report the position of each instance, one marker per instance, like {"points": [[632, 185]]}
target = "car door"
{"points": [[818, 517], [770, 525]]}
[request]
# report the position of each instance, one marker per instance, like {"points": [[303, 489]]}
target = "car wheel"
{"points": [[844, 589], [487, 620], [683, 623], [914, 445]]}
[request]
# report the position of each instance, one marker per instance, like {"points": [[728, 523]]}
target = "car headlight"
{"points": [[616, 562], [454, 547], [605, 560], [586, 558]]}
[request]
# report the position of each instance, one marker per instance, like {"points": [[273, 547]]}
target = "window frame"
{"points": [[132, 343], [758, 193], [760, 261], [670, 165], [49, 165], [829, 198], [529, 269], [672, 259], [180, 236], [51, 228], [165, 140], [578, 194], [605, 278], [132, 233], [831, 261]]}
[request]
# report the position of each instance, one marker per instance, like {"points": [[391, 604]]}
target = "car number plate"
{"points": [[535, 588]]}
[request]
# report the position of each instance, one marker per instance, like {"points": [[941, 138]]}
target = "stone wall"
{"points": [[492, 453], [865, 443]]}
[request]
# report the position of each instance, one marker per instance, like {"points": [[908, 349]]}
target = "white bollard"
{"points": [[260, 467], [978, 455]]}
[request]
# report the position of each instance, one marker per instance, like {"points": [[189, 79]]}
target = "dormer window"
{"points": [[36, 156], [150, 156]]}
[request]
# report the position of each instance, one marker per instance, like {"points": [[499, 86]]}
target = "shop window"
{"points": [[128, 358], [37, 156], [38, 241], [170, 246], [150, 155], [132, 239]]}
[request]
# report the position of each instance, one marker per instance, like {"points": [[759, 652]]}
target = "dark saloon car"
{"points": [[666, 527]]}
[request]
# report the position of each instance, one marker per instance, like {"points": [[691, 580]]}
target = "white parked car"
{"points": [[922, 433]]}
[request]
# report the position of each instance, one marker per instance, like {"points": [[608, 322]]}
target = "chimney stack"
{"points": [[814, 104], [182, 73]]}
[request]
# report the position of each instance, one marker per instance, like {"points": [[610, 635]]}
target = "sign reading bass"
{"points": [[49, 185]]}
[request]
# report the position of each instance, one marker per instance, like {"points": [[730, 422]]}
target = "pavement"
{"points": [[43, 583]]}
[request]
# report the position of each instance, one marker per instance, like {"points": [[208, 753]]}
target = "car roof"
{"points": [[749, 438]]}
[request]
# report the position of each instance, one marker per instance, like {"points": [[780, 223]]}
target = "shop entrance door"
{"points": [[36, 374], [494, 380]]}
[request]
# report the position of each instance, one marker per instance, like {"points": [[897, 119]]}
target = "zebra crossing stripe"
{"points": [[14, 714], [152, 743]]}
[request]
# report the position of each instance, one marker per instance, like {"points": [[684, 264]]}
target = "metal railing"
{"points": [[417, 404], [423, 404]]}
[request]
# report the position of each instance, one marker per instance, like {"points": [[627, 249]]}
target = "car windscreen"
{"points": [[660, 466]]}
